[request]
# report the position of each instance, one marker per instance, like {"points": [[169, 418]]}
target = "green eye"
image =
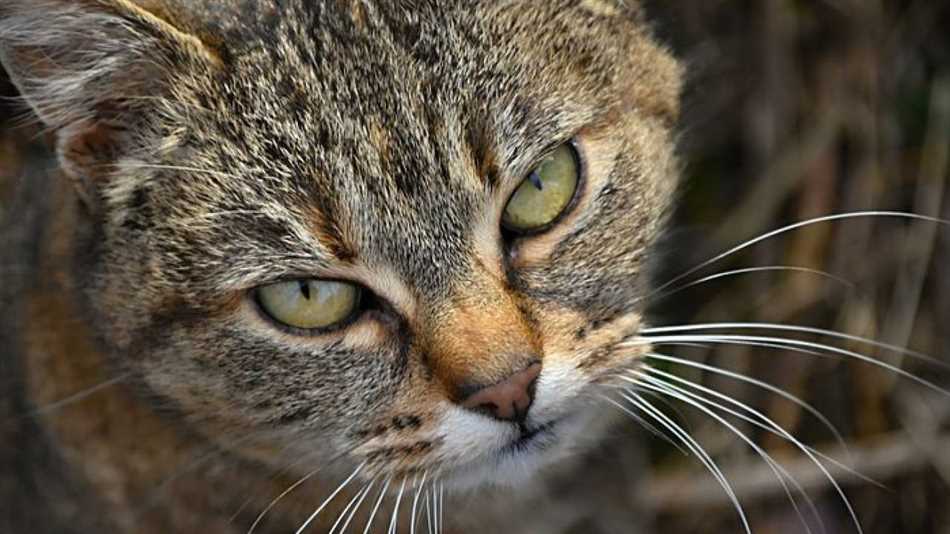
{"points": [[309, 304], [545, 194]]}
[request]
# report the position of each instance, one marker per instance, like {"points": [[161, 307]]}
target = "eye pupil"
{"points": [[305, 288], [536, 181]]}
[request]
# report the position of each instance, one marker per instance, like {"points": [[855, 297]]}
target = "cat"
{"points": [[302, 265], [301, 252]]}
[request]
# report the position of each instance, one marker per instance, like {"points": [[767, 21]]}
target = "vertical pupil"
{"points": [[535, 179], [305, 289]]}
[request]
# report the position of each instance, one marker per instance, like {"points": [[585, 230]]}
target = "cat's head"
{"points": [[409, 235]]}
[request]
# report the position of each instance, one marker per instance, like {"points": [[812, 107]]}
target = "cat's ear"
{"points": [[94, 72]]}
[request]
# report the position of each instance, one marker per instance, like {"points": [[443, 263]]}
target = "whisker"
{"points": [[708, 346], [441, 501], [799, 329], [648, 426], [75, 397], [342, 515], [435, 507], [210, 172], [347, 513], [415, 503], [280, 472], [673, 408], [760, 384], [696, 449], [288, 257], [784, 433], [770, 427], [395, 516], [789, 228], [429, 496], [379, 501], [781, 474], [755, 270], [330, 498], [292, 487], [218, 214], [195, 462], [288, 491], [793, 345]]}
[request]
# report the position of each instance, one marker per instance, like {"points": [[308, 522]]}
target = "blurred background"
{"points": [[794, 110]]}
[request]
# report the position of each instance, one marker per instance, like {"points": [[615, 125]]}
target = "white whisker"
{"points": [[800, 329], [441, 515], [292, 487], [692, 398], [760, 384], [395, 516], [78, 396], [754, 270], [696, 449], [781, 474], [645, 424], [708, 346], [789, 228], [429, 497], [359, 504], [788, 344], [355, 501], [415, 503], [436, 506], [770, 426], [330, 498], [379, 501], [180, 168]]}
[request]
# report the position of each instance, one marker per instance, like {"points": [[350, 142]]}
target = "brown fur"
{"points": [[218, 146]]}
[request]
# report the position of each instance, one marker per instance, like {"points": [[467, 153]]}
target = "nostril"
{"points": [[508, 400]]}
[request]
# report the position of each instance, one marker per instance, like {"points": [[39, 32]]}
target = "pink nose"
{"points": [[508, 400]]}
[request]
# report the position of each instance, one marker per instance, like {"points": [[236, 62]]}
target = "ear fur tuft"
{"points": [[90, 69]]}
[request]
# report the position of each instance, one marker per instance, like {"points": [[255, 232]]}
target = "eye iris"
{"points": [[309, 303], [545, 194]]}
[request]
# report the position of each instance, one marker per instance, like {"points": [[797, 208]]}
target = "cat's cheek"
{"points": [[423, 431], [573, 340], [559, 385]]}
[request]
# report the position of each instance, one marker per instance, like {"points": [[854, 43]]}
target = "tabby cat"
{"points": [[377, 255], [346, 265]]}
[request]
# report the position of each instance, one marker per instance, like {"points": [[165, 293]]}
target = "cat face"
{"points": [[378, 147]]}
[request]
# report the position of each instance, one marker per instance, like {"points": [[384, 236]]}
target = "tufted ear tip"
{"points": [[91, 69]]}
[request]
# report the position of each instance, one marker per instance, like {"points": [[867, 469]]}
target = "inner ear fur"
{"points": [[92, 70]]}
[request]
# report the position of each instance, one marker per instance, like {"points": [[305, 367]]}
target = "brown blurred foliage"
{"points": [[798, 109]]}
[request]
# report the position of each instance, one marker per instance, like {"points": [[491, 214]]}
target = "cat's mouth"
{"points": [[565, 420], [532, 439]]}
